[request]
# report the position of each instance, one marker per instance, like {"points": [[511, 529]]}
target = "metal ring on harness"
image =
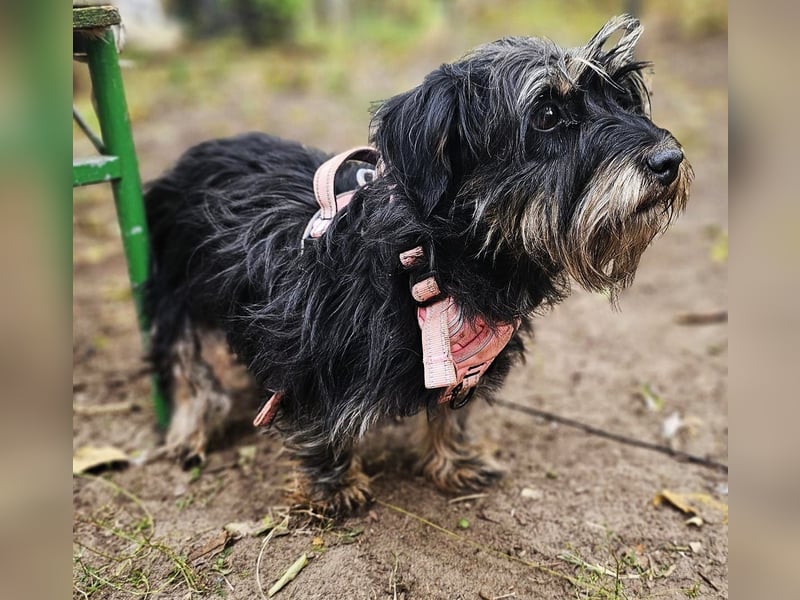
{"points": [[457, 402]]}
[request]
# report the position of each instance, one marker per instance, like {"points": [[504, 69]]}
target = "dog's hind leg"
{"points": [[332, 481], [450, 460], [199, 404]]}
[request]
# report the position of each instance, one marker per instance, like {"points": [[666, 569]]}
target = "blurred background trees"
{"points": [[267, 22]]}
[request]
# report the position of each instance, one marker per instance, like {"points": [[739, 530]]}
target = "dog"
{"points": [[519, 168]]}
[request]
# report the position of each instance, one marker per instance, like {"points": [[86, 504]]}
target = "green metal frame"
{"points": [[118, 164]]}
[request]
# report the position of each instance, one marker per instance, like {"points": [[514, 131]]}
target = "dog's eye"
{"points": [[547, 117]]}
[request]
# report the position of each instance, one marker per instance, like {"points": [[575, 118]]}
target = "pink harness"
{"points": [[456, 352]]}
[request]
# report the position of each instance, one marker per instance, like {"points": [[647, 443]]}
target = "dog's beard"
{"points": [[617, 218]]}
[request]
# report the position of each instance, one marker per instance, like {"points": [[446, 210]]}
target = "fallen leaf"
{"points": [[708, 509], [86, 458], [712, 503], [240, 529], [696, 521], [210, 549], [290, 574], [674, 499]]}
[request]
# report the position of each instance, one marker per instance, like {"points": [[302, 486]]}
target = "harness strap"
{"points": [[267, 412], [329, 202], [456, 352], [437, 356]]}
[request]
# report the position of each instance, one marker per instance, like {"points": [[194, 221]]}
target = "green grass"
{"points": [[114, 547]]}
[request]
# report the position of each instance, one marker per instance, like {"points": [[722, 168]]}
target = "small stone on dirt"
{"points": [[531, 494]]}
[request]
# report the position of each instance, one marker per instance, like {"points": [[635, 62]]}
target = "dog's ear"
{"points": [[615, 59], [621, 52], [415, 133]]}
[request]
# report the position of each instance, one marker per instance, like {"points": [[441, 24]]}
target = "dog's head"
{"points": [[549, 151]]}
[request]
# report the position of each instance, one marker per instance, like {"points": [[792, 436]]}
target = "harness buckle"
{"points": [[425, 289], [460, 401], [425, 286]]}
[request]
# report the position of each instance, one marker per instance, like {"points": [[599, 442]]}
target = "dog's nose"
{"points": [[665, 163]]}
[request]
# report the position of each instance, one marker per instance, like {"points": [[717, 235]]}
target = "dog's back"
{"points": [[228, 204]]}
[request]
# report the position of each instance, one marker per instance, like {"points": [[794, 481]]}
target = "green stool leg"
{"points": [[112, 113]]}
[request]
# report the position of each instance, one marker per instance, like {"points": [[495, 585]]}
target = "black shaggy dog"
{"points": [[518, 167]]}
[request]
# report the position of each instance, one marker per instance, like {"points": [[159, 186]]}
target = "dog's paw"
{"points": [[186, 438], [352, 494], [463, 471], [348, 499], [193, 422], [188, 453]]}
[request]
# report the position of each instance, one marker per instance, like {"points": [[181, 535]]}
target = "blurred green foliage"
{"points": [[259, 22], [267, 21], [393, 22]]}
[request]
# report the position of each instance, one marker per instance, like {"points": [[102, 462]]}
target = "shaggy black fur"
{"points": [[489, 164]]}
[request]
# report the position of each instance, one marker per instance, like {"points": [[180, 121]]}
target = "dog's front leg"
{"points": [[450, 460], [332, 481]]}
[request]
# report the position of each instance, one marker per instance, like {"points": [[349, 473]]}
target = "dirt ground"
{"points": [[574, 516]]}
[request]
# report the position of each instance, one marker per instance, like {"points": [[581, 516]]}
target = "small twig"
{"points": [[467, 498], [267, 538], [615, 437], [106, 409], [711, 318], [392, 580], [708, 581], [599, 569], [225, 579]]}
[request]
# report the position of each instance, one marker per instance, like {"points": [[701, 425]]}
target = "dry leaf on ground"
{"points": [[290, 574], [694, 504], [240, 529], [210, 549], [86, 458]]}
